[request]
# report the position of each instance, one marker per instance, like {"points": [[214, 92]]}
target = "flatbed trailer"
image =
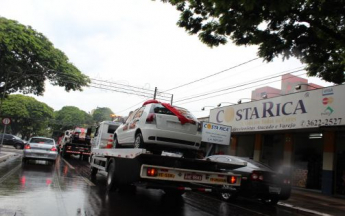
{"points": [[174, 175]]}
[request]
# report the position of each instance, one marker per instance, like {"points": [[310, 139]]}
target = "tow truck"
{"points": [[76, 142], [173, 174]]}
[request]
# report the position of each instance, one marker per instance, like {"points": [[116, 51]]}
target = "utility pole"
{"points": [[155, 94]]}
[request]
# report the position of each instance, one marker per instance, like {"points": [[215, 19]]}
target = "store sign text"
{"points": [[269, 109]]}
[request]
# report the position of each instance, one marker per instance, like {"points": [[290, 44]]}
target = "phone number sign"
{"points": [[216, 133]]}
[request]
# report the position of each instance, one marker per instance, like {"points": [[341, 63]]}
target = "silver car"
{"points": [[40, 148]]}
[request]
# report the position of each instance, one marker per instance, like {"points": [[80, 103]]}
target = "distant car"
{"points": [[159, 126], [258, 181], [12, 140], [40, 148]]}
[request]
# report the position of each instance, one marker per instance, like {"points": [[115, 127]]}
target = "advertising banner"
{"points": [[307, 109], [215, 133]]}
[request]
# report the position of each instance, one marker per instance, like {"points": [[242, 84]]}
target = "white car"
{"points": [[40, 148], [159, 126]]}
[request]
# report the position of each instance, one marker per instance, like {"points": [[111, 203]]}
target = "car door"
{"points": [[122, 132], [133, 124]]}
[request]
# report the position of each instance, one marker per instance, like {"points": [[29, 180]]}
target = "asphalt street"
{"points": [[41, 188]]}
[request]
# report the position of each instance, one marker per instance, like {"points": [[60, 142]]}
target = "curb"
{"points": [[6, 156]]}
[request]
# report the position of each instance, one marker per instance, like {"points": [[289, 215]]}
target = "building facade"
{"points": [[300, 133]]}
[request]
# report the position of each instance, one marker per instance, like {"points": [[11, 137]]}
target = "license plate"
{"points": [[222, 180], [194, 177], [166, 175], [274, 190]]}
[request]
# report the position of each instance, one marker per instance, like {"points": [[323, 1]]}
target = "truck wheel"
{"points": [[94, 172], [64, 154], [173, 193], [111, 177], [138, 142]]}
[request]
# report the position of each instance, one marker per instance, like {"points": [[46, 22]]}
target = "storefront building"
{"points": [[300, 133]]}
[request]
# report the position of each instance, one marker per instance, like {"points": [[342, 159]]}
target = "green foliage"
{"points": [[29, 116], [312, 31], [102, 114], [70, 117], [28, 58]]}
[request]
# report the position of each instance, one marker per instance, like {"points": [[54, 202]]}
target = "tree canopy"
{"points": [[102, 114], [28, 116], [28, 58], [311, 30], [70, 117]]}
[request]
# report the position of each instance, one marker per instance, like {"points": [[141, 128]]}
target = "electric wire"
{"points": [[233, 87], [213, 96], [268, 76], [211, 75]]}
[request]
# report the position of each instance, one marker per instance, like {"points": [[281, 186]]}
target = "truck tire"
{"points": [[64, 154], [112, 183], [173, 192], [139, 141]]}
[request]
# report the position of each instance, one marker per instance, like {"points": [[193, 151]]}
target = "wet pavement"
{"points": [[41, 188]]}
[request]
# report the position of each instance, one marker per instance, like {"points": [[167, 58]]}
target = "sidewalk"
{"points": [[315, 203]]}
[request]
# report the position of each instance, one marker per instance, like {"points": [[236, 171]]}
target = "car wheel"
{"points": [[139, 142], [270, 201], [111, 177], [227, 196], [116, 143]]}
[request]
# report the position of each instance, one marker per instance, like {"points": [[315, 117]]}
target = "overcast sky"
{"points": [[138, 43]]}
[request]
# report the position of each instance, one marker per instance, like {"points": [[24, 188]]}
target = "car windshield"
{"points": [[160, 109], [17, 138], [42, 141]]}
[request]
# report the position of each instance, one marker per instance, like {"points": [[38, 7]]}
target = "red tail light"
{"points": [[232, 179], [152, 172], [286, 181], [53, 149], [256, 176], [151, 118], [27, 146]]}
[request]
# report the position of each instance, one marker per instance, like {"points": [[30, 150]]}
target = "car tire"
{"points": [[112, 183], [116, 143], [228, 197], [270, 201], [139, 141]]}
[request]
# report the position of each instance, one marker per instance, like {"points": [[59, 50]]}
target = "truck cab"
{"points": [[104, 135]]}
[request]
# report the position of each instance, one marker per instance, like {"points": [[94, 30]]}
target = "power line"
{"points": [[280, 73], [212, 75], [235, 86], [213, 96]]}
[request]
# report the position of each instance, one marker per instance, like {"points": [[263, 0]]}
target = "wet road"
{"points": [[40, 188]]}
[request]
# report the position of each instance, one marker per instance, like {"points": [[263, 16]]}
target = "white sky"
{"points": [[138, 43]]}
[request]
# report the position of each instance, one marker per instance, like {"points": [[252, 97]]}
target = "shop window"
{"points": [[245, 146], [273, 150], [307, 165]]}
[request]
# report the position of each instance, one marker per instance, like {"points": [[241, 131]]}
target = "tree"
{"points": [[28, 58], [28, 116], [310, 30], [70, 117], [102, 114]]}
